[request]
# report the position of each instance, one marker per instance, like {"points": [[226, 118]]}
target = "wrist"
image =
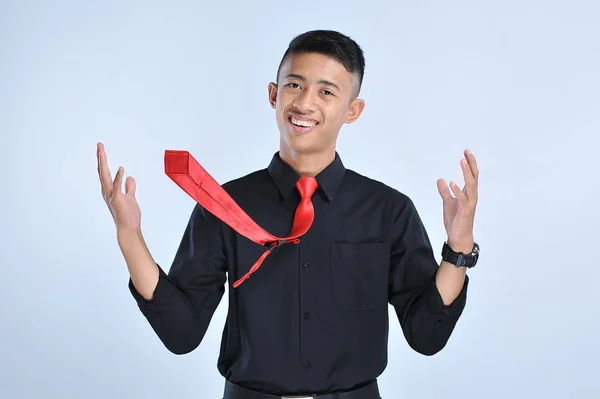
{"points": [[465, 246], [127, 238]]}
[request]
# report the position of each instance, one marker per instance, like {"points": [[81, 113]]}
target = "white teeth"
{"points": [[302, 123]]}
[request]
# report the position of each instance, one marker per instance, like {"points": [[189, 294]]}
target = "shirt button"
{"points": [[306, 264], [307, 364], [307, 315]]}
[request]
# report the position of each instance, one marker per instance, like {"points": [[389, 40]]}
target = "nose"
{"points": [[304, 101]]}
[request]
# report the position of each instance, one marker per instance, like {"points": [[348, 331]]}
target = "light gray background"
{"points": [[517, 82]]}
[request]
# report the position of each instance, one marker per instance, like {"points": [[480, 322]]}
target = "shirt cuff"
{"points": [[435, 303], [163, 287]]}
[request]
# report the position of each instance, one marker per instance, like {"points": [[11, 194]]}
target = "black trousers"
{"points": [[233, 391]]}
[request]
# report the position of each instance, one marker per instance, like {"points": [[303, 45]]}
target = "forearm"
{"points": [[173, 314], [428, 322], [450, 281], [428, 297], [170, 313], [449, 278], [179, 305], [140, 263]]}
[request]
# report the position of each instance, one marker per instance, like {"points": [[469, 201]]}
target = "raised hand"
{"points": [[459, 211], [122, 206]]}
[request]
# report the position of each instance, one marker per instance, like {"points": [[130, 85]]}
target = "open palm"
{"points": [[123, 207], [459, 211]]}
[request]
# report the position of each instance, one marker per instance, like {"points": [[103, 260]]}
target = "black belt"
{"points": [[233, 391]]}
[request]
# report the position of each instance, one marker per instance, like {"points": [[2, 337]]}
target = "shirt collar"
{"points": [[285, 177]]}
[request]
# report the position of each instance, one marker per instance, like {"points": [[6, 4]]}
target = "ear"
{"points": [[273, 94], [354, 110]]}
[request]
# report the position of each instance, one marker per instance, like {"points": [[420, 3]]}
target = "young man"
{"points": [[313, 320]]}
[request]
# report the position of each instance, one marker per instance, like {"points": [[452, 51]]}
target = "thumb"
{"points": [[443, 190], [130, 186]]}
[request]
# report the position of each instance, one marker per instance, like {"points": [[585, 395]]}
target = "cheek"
{"points": [[282, 103], [334, 114], [283, 97]]}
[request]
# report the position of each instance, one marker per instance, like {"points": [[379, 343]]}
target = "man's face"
{"points": [[314, 97]]}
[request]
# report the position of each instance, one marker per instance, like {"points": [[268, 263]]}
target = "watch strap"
{"points": [[459, 259]]}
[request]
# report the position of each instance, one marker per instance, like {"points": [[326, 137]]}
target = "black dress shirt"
{"points": [[314, 317]]}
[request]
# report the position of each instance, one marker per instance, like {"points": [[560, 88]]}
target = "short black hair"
{"points": [[330, 43]]}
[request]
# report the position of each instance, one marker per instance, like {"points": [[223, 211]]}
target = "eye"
{"points": [[293, 85], [327, 93]]}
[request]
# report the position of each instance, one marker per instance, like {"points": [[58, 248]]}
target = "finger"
{"points": [[458, 194], [98, 162], [104, 171], [467, 173], [118, 183], [130, 186], [470, 189], [443, 190], [472, 165], [471, 172]]}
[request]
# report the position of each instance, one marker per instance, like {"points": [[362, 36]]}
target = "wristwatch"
{"points": [[459, 259]]}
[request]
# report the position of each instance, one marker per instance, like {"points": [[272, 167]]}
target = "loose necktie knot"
{"points": [[306, 186]]}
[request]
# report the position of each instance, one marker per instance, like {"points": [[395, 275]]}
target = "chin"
{"points": [[304, 143], [307, 139]]}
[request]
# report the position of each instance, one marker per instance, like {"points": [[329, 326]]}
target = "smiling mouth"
{"points": [[301, 125]]}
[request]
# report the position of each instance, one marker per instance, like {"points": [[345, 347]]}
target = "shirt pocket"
{"points": [[359, 275]]}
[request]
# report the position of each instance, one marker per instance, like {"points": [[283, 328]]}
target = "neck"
{"points": [[306, 164]]}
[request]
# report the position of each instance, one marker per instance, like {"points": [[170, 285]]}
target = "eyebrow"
{"points": [[323, 82]]}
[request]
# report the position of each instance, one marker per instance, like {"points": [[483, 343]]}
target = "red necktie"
{"points": [[188, 174]]}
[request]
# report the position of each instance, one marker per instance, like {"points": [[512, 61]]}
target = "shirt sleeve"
{"points": [[186, 298], [426, 322]]}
